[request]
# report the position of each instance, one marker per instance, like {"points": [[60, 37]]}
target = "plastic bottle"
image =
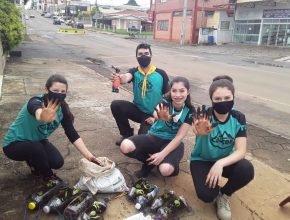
{"points": [[137, 189], [161, 200], [58, 202], [44, 194], [78, 205], [143, 200], [176, 204], [116, 81], [151, 195], [95, 210]]}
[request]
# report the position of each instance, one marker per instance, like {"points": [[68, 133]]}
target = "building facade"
{"points": [[167, 16], [262, 23]]}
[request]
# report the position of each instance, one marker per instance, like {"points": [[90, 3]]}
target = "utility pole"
{"points": [[183, 28]]}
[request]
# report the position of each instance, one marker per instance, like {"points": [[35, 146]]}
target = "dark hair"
{"points": [[222, 81], [186, 84], [59, 78], [143, 46]]}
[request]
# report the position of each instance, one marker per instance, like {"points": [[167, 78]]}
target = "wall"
{"points": [[177, 26], [163, 35]]}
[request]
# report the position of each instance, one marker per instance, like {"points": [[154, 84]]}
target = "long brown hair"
{"points": [[59, 78]]}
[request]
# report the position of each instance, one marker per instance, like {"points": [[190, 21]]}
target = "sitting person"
{"points": [[26, 139], [163, 146], [220, 148]]}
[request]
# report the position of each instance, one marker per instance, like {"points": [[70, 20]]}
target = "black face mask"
{"points": [[144, 61], [223, 107], [59, 97]]}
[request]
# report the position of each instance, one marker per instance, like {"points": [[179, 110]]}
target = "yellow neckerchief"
{"points": [[151, 70]]}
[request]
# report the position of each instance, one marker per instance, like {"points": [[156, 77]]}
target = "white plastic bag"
{"points": [[103, 178]]}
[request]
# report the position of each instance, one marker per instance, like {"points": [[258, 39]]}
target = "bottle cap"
{"points": [[138, 206], [31, 205], [46, 209]]}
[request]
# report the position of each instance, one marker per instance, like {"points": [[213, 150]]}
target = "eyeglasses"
{"points": [[143, 54]]}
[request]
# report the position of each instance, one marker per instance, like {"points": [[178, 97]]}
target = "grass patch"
{"points": [[124, 31]]}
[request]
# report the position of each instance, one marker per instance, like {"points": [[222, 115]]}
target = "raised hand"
{"points": [[163, 112], [48, 113], [201, 124]]}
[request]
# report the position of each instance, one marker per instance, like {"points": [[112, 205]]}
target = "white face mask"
{"points": [[177, 117]]}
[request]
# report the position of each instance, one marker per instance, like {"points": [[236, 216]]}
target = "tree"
{"points": [[11, 27]]}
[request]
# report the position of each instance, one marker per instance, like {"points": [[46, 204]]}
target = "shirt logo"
{"points": [[149, 85], [47, 129], [222, 141]]}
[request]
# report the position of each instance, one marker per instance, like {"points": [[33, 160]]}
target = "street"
{"points": [[262, 91]]}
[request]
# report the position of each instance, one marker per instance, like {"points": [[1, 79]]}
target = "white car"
{"points": [[47, 15]]}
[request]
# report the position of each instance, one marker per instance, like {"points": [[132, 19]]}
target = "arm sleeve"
{"points": [[242, 132], [69, 129], [33, 104], [165, 87], [188, 118], [132, 72]]}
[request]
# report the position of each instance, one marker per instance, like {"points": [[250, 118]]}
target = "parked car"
{"points": [[56, 22], [78, 25], [43, 13], [47, 15], [69, 22], [32, 16], [133, 29]]}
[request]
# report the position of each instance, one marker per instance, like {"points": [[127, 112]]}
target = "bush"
{"points": [[11, 27]]}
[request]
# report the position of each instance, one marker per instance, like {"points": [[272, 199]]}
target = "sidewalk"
{"points": [[89, 98]]}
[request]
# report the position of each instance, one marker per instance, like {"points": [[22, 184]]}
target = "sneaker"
{"points": [[33, 170], [144, 172], [223, 207]]}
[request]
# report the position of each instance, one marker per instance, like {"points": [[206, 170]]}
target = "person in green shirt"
{"points": [[220, 148], [162, 146], [149, 84], [26, 138]]}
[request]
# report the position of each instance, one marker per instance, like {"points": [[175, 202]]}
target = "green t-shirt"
{"points": [[168, 129], [156, 86], [27, 128], [221, 141]]}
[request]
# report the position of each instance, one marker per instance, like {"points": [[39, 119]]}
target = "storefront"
{"points": [[263, 23]]}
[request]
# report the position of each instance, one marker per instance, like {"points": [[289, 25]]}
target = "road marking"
{"points": [[264, 99]]}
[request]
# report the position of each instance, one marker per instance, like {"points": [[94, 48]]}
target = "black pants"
{"points": [[123, 111], [150, 144], [238, 174], [43, 156]]}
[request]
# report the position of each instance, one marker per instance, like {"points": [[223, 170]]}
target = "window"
{"points": [[162, 1], [225, 25], [162, 25]]}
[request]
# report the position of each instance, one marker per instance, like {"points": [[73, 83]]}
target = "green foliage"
{"points": [[11, 28], [83, 14], [93, 11]]}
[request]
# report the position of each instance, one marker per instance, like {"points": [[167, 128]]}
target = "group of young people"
{"points": [[165, 113]]}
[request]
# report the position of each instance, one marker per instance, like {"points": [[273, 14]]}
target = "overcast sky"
{"points": [[145, 3]]}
